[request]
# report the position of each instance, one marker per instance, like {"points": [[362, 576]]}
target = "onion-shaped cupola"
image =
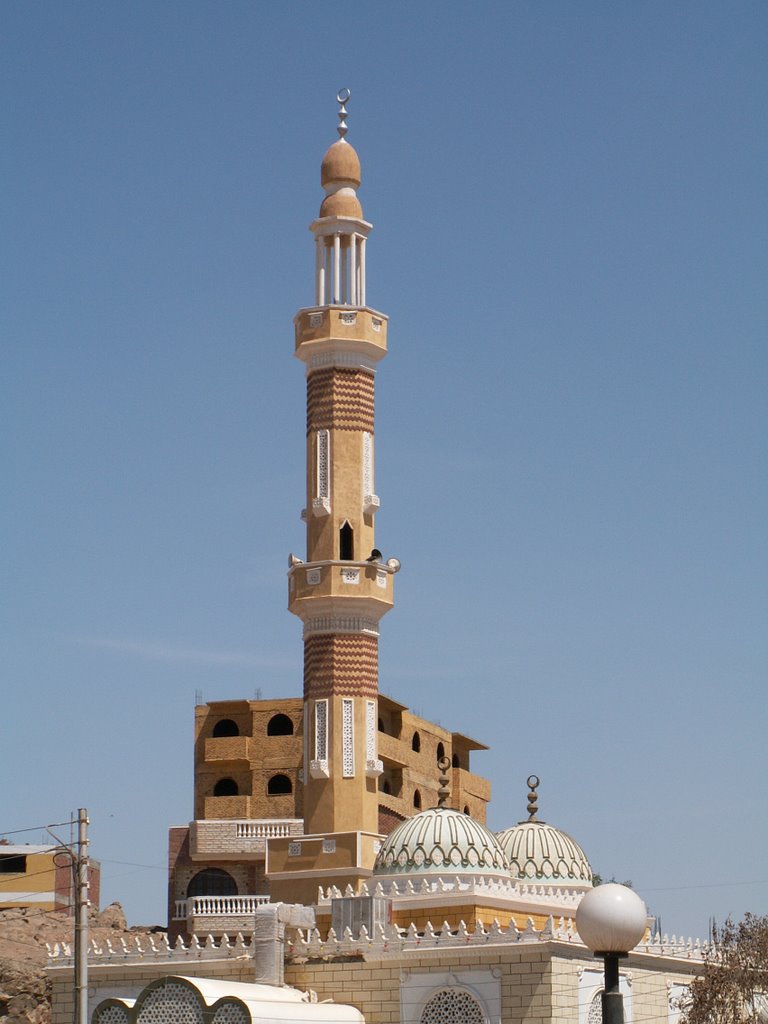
{"points": [[542, 854], [440, 841]]}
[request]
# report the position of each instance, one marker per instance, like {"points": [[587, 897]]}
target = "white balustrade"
{"points": [[268, 829], [218, 906]]}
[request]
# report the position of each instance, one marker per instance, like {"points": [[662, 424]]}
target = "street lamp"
{"points": [[611, 920]]}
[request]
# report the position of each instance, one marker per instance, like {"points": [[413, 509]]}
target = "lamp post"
{"points": [[611, 920]]}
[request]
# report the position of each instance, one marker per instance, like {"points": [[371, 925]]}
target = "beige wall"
{"points": [[537, 982]]}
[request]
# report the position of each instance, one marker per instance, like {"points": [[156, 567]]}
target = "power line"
{"points": [[37, 828]]}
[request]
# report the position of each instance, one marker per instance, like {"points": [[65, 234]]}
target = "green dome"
{"points": [[543, 855], [440, 841]]}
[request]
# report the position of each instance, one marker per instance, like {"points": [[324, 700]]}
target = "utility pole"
{"points": [[81, 918]]}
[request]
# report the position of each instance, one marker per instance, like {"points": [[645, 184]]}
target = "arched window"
{"points": [[279, 785], [455, 761], [212, 882], [466, 810], [346, 543], [225, 787], [280, 725], [440, 752], [416, 742], [226, 727], [417, 799], [452, 1006]]}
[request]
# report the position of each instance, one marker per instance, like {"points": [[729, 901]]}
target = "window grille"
{"points": [[171, 1003], [453, 1006]]}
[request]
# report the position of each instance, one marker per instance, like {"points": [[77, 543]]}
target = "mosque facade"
{"points": [[339, 846]]}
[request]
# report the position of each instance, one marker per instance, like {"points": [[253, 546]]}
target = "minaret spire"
{"points": [[340, 231], [343, 588], [342, 98]]}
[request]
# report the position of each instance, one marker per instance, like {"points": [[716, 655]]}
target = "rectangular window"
{"points": [[13, 864]]}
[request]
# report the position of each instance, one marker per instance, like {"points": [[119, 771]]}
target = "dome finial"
{"points": [[443, 792], [532, 782], [342, 97]]}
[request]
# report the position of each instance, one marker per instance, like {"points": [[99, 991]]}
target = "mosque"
{"points": [[338, 866]]}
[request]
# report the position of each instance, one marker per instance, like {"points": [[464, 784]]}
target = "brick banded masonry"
{"points": [[340, 399], [341, 665]]}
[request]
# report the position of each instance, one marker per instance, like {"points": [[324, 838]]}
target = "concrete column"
{"points": [[361, 297], [336, 268], [319, 272], [353, 269]]}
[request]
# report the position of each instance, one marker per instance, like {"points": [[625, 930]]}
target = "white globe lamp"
{"points": [[611, 920]]}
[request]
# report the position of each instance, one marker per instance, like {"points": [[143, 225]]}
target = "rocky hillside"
{"points": [[24, 989]]}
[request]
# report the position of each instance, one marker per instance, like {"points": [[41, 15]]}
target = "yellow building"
{"points": [[41, 877]]}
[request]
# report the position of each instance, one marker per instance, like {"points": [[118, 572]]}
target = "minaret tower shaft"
{"points": [[343, 588]]}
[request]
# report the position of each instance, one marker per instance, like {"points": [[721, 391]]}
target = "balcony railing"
{"points": [[268, 829], [218, 906]]}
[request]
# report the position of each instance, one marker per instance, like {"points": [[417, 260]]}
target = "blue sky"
{"points": [[569, 213]]}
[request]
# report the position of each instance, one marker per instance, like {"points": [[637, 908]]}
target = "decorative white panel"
{"points": [[381, 580], [348, 318], [451, 997], [373, 767], [676, 996], [350, 359], [350, 576], [321, 730], [321, 505], [341, 624], [315, 319], [329, 846], [370, 729], [313, 577], [347, 738], [370, 500], [375, 323], [294, 849], [591, 984]]}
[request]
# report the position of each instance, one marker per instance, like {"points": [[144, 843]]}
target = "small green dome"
{"points": [[440, 841], [543, 855]]}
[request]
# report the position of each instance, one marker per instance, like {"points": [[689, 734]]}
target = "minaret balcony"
{"points": [[341, 588], [340, 335]]}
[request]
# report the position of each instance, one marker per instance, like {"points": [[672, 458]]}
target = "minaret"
{"points": [[343, 588]]}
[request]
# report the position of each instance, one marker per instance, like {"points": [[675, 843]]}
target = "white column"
{"points": [[327, 296], [361, 296], [353, 269], [319, 272], [336, 267]]}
